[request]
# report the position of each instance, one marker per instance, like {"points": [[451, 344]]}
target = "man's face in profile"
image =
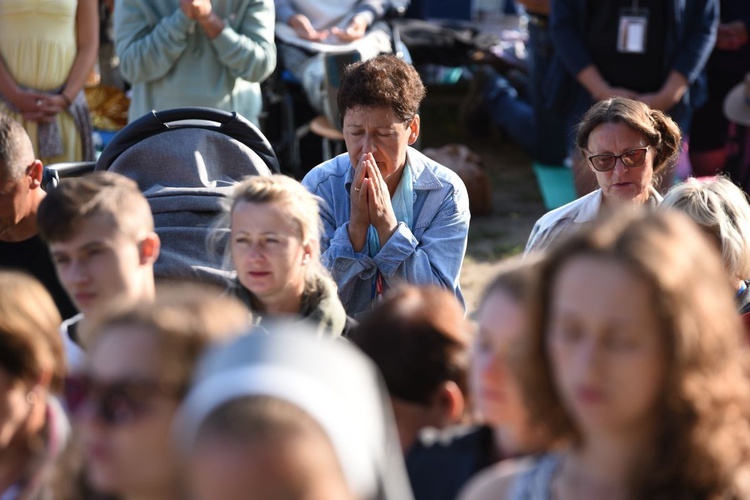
{"points": [[15, 200]]}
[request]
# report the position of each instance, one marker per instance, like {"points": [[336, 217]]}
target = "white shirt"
{"points": [[568, 217], [74, 354]]}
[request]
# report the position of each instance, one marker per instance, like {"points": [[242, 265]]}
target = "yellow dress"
{"points": [[38, 46]]}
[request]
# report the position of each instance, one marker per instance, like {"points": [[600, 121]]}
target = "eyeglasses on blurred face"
{"points": [[631, 159], [115, 403]]}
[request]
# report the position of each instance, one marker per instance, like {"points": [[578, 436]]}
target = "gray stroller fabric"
{"points": [[187, 174]]}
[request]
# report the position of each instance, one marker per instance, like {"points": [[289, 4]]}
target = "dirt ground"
{"points": [[517, 202]]}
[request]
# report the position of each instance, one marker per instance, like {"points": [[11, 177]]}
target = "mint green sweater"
{"points": [[171, 63]]}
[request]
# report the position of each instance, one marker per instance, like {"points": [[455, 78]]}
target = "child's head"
{"points": [[100, 232]]}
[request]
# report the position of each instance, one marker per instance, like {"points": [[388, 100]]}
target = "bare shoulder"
{"points": [[496, 482]]}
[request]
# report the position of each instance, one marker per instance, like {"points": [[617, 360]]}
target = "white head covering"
{"points": [[331, 381]]}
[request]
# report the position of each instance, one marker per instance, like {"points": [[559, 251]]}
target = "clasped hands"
{"points": [[39, 107], [654, 100], [196, 9], [203, 13], [304, 29], [370, 204]]}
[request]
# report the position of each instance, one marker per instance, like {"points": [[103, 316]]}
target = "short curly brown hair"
{"points": [[383, 81], [702, 447]]}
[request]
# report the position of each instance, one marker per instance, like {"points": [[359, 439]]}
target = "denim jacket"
{"points": [[431, 253]]}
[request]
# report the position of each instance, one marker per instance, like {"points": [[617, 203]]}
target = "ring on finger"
{"points": [[356, 190], [38, 102]]}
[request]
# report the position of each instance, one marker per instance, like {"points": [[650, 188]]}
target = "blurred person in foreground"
{"points": [[33, 427], [634, 362], [290, 416], [502, 318], [274, 247], [419, 340], [721, 209], [100, 232], [627, 146], [139, 366], [391, 215], [21, 192]]}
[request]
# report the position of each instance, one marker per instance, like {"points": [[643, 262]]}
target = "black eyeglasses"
{"points": [[115, 403], [631, 159]]}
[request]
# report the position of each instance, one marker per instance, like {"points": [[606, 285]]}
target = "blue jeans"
{"points": [[540, 132]]}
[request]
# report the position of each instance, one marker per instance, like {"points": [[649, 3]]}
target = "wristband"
{"points": [[68, 102]]}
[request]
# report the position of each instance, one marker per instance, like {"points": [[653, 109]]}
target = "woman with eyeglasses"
{"points": [[627, 145], [140, 364], [33, 426]]}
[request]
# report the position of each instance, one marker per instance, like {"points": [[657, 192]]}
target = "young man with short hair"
{"points": [[100, 233]]}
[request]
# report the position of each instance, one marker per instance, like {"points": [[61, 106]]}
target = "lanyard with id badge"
{"points": [[633, 26]]}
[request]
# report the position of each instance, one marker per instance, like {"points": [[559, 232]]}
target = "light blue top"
{"points": [[171, 63], [535, 483], [430, 253], [323, 17]]}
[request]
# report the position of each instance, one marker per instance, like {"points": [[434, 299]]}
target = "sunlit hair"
{"points": [[301, 208], [184, 319], [722, 209], [659, 130], [16, 151], [112, 196], [702, 448], [30, 342], [384, 81]]}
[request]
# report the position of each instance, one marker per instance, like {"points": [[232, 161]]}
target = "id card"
{"points": [[631, 34]]}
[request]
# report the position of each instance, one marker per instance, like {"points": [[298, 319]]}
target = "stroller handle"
{"points": [[194, 113], [231, 124]]}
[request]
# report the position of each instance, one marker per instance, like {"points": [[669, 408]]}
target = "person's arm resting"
{"points": [[87, 47]]}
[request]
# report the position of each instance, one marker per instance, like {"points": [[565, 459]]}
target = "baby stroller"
{"points": [[186, 162]]}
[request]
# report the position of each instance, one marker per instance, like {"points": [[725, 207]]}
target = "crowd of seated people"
{"points": [[340, 361]]}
